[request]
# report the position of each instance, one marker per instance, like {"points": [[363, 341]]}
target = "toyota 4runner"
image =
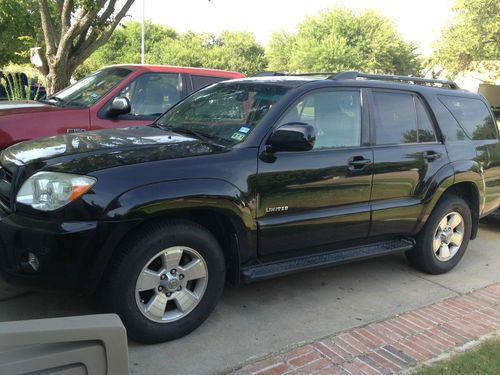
{"points": [[246, 180]]}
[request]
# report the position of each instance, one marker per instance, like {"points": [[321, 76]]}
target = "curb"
{"points": [[395, 345]]}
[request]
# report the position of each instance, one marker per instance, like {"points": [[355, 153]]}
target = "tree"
{"points": [[236, 51], [72, 31], [20, 25], [124, 46], [472, 35], [343, 40], [187, 49], [280, 48], [230, 50]]}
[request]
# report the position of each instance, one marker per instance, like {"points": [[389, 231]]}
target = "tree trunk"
{"points": [[77, 36], [58, 78]]}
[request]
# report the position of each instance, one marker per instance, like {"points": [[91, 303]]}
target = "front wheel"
{"points": [[444, 238], [165, 281]]}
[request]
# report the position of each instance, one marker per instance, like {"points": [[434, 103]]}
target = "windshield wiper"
{"points": [[201, 136]]}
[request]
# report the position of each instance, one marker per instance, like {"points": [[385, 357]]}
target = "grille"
{"points": [[5, 187]]}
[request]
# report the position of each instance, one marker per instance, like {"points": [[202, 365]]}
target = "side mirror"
{"points": [[293, 136], [119, 106]]}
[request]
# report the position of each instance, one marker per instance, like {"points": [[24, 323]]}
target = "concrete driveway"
{"points": [[267, 317]]}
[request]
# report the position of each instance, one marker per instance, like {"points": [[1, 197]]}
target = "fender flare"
{"points": [[169, 198], [465, 171], [162, 197]]}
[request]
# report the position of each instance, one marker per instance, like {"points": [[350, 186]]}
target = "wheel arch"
{"points": [[469, 192], [214, 204], [226, 230], [465, 181]]}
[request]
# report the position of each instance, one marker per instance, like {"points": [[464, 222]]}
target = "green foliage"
{"points": [[482, 360], [472, 35], [187, 49], [17, 88], [125, 46], [230, 50], [342, 40], [20, 30], [280, 48], [236, 51], [331, 41]]}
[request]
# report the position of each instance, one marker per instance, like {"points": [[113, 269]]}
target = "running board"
{"points": [[268, 270]]}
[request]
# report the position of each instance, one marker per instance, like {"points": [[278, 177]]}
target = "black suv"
{"points": [[246, 180]]}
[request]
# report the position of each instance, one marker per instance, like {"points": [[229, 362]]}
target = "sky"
{"points": [[419, 21]]}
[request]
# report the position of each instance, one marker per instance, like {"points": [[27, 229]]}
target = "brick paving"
{"points": [[395, 344]]}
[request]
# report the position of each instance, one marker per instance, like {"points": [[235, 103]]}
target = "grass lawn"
{"points": [[482, 360]]}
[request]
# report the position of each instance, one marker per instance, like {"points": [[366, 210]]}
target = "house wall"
{"points": [[491, 93]]}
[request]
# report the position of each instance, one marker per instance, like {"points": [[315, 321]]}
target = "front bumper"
{"points": [[71, 255]]}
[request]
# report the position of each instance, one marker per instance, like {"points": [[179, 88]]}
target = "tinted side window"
{"points": [[472, 115], [395, 118], [202, 81], [303, 111], [425, 128], [336, 115]]}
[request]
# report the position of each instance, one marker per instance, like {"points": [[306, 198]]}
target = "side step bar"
{"points": [[268, 270]]}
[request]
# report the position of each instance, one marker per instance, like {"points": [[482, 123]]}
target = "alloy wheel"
{"points": [[448, 236], [171, 284]]}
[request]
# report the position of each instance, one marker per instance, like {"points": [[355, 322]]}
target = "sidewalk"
{"points": [[395, 344]]}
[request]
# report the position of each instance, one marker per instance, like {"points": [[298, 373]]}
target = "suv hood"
{"points": [[84, 152]]}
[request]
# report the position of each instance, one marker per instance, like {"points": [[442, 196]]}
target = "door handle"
{"points": [[431, 155], [358, 163]]}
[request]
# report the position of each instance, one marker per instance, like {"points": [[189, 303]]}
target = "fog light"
{"points": [[33, 261]]}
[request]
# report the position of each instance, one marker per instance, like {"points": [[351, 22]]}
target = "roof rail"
{"points": [[273, 74], [415, 80], [268, 74]]}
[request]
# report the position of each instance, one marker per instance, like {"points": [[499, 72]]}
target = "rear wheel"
{"points": [[445, 237], [165, 281]]}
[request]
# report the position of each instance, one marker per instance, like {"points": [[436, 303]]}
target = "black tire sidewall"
{"points": [[428, 261], [120, 291]]}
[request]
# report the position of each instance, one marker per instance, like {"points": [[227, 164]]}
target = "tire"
{"points": [[140, 282], [423, 256]]}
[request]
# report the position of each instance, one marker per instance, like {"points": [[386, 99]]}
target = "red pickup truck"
{"points": [[115, 96]]}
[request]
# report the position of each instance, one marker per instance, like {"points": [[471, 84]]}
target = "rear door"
{"points": [[318, 199], [407, 154]]}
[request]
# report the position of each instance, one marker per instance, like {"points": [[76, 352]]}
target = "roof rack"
{"points": [[277, 74], [415, 80]]}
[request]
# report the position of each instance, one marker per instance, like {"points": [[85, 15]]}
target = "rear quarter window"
{"points": [[472, 115]]}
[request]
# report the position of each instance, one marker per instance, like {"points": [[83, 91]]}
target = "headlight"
{"points": [[48, 191]]}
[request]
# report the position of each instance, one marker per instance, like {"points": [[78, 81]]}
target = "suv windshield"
{"points": [[90, 89], [226, 111]]}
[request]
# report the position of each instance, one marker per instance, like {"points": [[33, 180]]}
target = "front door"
{"points": [[150, 95], [318, 199]]}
